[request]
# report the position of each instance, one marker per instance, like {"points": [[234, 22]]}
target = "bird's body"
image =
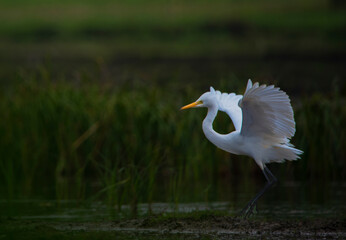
{"points": [[263, 121]]}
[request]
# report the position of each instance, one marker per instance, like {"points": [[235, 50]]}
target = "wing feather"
{"points": [[228, 103], [266, 112]]}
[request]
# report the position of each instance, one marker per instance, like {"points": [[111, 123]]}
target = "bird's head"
{"points": [[207, 99]]}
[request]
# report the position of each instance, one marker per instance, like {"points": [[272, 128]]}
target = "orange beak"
{"points": [[191, 105]]}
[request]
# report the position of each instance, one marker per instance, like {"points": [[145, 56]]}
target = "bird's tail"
{"points": [[281, 152]]}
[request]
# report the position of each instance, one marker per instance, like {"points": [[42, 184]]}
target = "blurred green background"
{"points": [[91, 91]]}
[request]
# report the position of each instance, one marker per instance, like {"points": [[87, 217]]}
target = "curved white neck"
{"points": [[226, 142], [208, 130]]}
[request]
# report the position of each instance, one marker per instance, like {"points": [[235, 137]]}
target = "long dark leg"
{"points": [[271, 176], [271, 180]]}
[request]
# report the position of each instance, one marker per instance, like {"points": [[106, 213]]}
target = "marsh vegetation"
{"points": [[90, 95]]}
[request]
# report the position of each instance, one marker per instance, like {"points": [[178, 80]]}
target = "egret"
{"points": [[263, 121]]}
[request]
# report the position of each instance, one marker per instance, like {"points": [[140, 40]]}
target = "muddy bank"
{"points": [[219, 227], [38, 220]]}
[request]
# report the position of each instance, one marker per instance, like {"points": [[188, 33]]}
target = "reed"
{"points": [[128, 145]]}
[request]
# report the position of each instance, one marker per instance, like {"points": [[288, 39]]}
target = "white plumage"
{"points": [[263, 121], [227, 103], [266, 112]]}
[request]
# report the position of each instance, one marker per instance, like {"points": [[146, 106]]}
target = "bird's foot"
{"points": [[249, 210]]}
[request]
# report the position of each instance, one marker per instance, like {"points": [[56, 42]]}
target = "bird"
{"points": [[264, 123]]}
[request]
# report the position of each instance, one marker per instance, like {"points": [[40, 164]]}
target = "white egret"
{"points": [[263, 121]]}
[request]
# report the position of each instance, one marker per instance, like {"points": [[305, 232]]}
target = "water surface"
{"points": [[309, 217]]}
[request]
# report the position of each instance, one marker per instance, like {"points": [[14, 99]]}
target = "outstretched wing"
{"points": [[228, 103], [267, 112]]}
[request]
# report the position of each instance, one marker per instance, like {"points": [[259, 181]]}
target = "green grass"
{"points": [[73, 127], [170, 29], [129, 144]]}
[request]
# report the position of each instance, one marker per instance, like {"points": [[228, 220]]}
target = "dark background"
{"points": [[91, 91]]}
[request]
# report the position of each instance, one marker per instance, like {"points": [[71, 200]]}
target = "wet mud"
{"points": [[219, 227]]}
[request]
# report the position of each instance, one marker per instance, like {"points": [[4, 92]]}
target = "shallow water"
{"points": [[283, 213], [286, 200], [73, 221]]}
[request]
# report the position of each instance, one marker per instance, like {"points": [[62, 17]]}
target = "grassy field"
{"points": [[90, 95], [132, 144], [148, 29]]}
